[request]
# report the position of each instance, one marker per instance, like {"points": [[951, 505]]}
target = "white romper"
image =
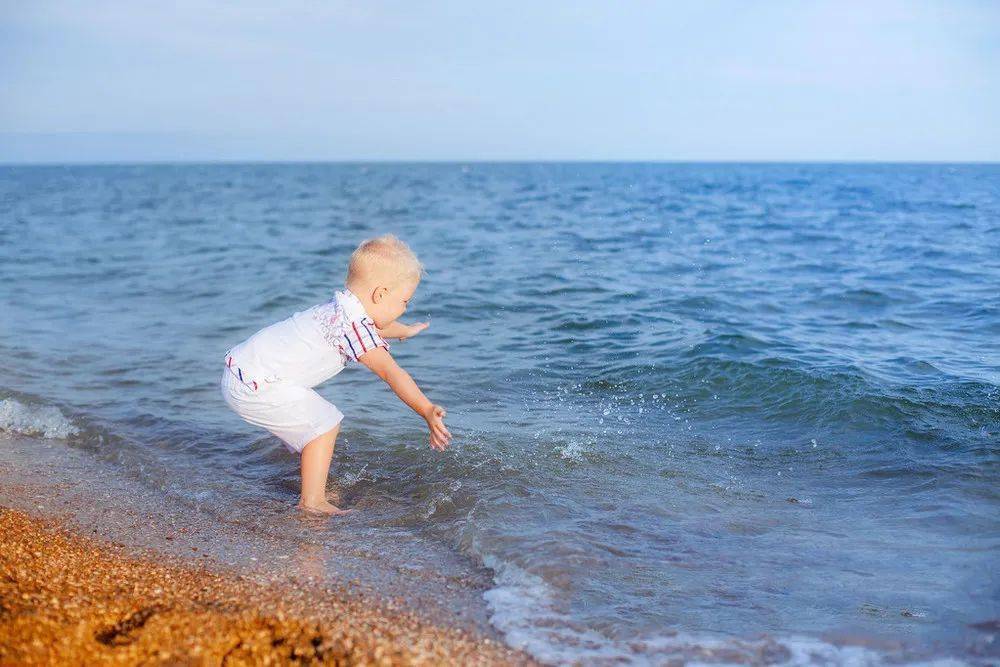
{"points": [[269, 377]]}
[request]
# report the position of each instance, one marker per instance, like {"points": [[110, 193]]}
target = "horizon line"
{"points": [[480, 161]]}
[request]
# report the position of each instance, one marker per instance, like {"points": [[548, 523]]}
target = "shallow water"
{"points": [[716, 412]]}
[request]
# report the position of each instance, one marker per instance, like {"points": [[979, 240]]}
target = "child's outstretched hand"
{"points": [[440, 437], [413, 329], [402, 331]]}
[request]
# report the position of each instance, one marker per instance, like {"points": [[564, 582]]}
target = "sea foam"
{"points": [[38, 420]]}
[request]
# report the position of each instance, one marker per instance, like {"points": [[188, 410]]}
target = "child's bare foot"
{"points": [[322, 507]]}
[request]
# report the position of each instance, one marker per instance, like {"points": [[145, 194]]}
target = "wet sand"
{"points": [[96, 568], [66, 598]]}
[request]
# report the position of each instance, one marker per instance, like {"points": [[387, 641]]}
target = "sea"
{"points": [[703, 413]]}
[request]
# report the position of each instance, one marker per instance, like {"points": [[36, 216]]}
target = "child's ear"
{"points": [[379, 293]]}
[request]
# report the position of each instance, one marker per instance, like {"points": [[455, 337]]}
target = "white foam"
{"points": [[523, 609], [44, 420], [572, 451]]}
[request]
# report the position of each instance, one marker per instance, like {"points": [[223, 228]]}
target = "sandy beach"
{"points": [[70, 599], [97, 569]]}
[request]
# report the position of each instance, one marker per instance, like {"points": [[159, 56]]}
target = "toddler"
{"points": [[269, 378]]}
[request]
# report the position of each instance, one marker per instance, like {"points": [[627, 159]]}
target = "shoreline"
{"points": [[69, 598], [96, 566]]}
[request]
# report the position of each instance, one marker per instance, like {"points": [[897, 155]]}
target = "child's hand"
{"points": [[440, 437], [411, 330], [402, 331], [381, 363]]}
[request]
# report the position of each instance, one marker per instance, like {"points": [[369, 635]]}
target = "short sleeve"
{"points": [[361, 336]]}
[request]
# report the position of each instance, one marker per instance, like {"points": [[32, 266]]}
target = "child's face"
{"points": [[389, 303]]}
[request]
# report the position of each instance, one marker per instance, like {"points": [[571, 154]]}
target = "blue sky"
{"points": [[141, 81]]}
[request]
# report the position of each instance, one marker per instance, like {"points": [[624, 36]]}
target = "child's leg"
{"points": [[316, 458]]}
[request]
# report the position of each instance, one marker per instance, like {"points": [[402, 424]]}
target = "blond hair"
{"points": [[385, 256]]}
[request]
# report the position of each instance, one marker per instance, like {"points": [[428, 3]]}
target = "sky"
{"points": [[96, 81]]}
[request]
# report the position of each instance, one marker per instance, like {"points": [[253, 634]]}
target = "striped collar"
{"points": [[352, 304]]}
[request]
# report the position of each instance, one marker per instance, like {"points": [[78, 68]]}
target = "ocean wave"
{"points": [[729, 376], [47, 421], [526, 610]]}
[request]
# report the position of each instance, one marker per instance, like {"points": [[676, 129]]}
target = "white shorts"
{"points": [[295, 414]]}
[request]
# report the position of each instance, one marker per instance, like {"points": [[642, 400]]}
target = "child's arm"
{"points": [[403, 331], [381, 363]]}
